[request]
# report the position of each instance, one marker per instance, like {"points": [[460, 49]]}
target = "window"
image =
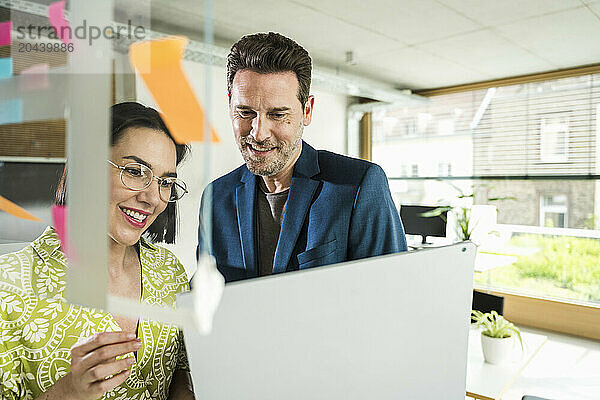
{"points": [[554, 138], [403, 172], [410, 127], [423, 120], [414, 170], [517, 148], [444, 169], [553, 211]]}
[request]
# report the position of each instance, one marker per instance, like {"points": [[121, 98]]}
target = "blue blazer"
{"points": [[338, 209]]}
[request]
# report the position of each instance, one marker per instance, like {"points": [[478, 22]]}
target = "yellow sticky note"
{"points": [[13, 209], [158, 62]]}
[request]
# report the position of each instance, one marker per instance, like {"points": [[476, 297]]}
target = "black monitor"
{"points": [[416, 224]]}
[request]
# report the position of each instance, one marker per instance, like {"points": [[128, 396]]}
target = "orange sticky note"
{"points": [[13, 209], [159, 64]]}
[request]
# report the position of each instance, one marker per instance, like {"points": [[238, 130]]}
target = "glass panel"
{"points": [[560, 200], [554, 219]]}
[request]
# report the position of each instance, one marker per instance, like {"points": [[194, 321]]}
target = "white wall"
{"points": [[328, 127], [326, 131]]}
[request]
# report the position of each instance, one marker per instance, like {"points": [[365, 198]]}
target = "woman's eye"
{"points": [[133, 171]]}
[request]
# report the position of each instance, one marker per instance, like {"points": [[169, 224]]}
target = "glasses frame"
{"points": [[158, 179]]}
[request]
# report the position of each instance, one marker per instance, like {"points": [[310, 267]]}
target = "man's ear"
{"points": [[308, 110]]}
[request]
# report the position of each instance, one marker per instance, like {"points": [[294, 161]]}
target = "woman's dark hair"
{"points": [[135, 115]]}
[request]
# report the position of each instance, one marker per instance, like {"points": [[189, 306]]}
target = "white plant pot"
{"points": [[496, 350]]}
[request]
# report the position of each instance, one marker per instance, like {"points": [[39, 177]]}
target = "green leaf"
{"points": [[495, 325]]}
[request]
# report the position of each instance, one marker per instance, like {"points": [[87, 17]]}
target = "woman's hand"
{"points": [[92, 362]]}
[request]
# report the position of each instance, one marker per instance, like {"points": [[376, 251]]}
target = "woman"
{"points": [[49, 349]]}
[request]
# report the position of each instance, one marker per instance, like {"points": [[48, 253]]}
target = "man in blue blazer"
{"points": [[290, 206]]}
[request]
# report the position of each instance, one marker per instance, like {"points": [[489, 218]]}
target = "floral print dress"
{"points": [[38, 329]]}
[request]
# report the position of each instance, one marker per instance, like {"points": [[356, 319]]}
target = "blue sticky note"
{"points": [[11, 111], [6, 69]]}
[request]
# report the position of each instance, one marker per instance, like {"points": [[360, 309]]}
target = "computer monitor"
{"points": [[416, 224]]}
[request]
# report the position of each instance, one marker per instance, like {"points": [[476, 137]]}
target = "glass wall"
{"points": [[520, 166]]}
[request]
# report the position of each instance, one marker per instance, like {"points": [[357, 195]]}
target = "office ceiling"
{"points": [[414, 44]]}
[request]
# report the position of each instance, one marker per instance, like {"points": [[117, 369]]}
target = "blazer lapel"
{"points": [[245, 196], [302, 190]]}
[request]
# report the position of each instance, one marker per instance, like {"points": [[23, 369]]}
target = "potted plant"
{"points": [[466, 224], [497, 336]]}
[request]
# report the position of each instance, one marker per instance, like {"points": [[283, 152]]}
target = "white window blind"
{"points": [[533, 129]]}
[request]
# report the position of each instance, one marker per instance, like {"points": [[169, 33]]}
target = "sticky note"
{"points": [[56, 16], [13, 209], [158, 62], [34, 77], [11, 111], [6, 67], [59, 219], [5, 28]]}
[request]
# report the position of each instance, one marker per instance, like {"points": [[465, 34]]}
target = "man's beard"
{"points": [[274, 163]]}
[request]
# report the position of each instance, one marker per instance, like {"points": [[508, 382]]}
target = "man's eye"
{"points": [[246, 113], [277, 115]]}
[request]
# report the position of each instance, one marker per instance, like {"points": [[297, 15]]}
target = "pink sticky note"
{"points": [[34, 77], [56, 16], [5, 28], [59, 216]]}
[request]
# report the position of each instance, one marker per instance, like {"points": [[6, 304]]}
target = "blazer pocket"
{"points": [[316, 253]]}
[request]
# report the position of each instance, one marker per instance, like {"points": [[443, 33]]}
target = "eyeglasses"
{"points": [[136, 176]]}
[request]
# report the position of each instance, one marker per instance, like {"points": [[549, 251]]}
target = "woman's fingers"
{"points": [[94, 358], [98, 340], [106, 385], [108, 353], [100, 372]]}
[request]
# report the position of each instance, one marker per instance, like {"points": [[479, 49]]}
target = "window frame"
{"points": [[546, 142], [557, 209]]}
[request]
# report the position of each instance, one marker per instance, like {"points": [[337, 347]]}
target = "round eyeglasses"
{"points": [[136, 176]]}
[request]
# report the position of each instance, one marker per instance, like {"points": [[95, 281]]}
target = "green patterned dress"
{"points": [[38, 329]]}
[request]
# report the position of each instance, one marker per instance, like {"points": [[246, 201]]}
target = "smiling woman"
{"points": [[52, 349]]}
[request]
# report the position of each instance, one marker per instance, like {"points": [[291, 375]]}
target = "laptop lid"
{"points": [[389, 327]]}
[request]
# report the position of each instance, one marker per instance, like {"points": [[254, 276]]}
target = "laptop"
{"points": [[389, 327]]}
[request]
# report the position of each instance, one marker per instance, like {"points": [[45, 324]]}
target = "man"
{"points": [[290, 206]]}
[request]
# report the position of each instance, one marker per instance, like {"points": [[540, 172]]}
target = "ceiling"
{"points": [[414, 44]]}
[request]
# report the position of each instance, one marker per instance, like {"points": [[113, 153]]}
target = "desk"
{"points": [[489, 382], [487, 261], [566, 368]]}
